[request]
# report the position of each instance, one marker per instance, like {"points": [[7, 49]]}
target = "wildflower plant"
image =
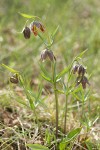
{"points": [[34, 29]]}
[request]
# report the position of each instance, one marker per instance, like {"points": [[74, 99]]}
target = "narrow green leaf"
{"points": [[44, 71], [73, 133], [80, 55], [31, 93], [62, 146], [60, 91], [22, 102], [76, 96], [63, 72], [28, 16], [37, 147], [10, 69], [46, 78], [39, 91], [89, 145], [54, 33]]}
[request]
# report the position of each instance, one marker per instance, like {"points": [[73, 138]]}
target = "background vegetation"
{"points": [[79, 29]]}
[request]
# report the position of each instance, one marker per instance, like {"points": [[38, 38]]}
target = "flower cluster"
{"points": [[81, 78], [35, 26]]}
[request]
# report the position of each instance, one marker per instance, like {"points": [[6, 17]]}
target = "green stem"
{"points": [[83, 109], [66, 110], [46, 44], [56, 97], [29, 98], [42, 40], [56, 100], [36, 118]]}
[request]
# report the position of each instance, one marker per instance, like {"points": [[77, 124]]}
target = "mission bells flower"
{"points": [[27, 32], [35, 26], [79, 69], [14, 79], [47, 53], [81, 78]]}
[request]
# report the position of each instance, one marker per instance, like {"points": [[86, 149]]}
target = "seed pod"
{"points": [[27, 32], [14, 79]]}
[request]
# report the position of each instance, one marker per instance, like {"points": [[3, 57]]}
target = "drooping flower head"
{"points": [[14, 79], [81, 78], [84, 81], [79, 69], [35, 26], [47, 53], [27, 32]]}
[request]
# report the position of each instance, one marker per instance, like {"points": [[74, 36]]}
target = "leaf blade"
{"points": [[10, 69], [37, 147]]}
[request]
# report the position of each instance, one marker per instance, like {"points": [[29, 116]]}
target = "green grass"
{"points": [[79, 23]]}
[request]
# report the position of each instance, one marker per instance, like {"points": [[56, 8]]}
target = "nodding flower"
{"points": [[27, 32], [47, 53], [14, 79], [35, 26], [82, 81], [79, 69], [81, 78]]}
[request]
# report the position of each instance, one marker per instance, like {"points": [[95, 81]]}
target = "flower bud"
{"points": [[27, 32], [14, 79]]}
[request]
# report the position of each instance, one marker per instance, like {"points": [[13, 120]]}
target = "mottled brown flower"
{"points": [[47, 53], [75, 68], [35, 25], [79, 69], [14, 79], [27, 32], [82, 80]]}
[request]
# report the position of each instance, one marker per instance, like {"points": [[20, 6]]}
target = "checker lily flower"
{"points": [[81, 78], [47, 53], [84, 81], [27, 32], [35, 26]]}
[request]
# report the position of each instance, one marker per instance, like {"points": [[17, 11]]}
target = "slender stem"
{"points": [[66, 110], [89, 107], [36, 118], [56, 100], [42, 40], [83, 109], [48, 45], [56, 96]]}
